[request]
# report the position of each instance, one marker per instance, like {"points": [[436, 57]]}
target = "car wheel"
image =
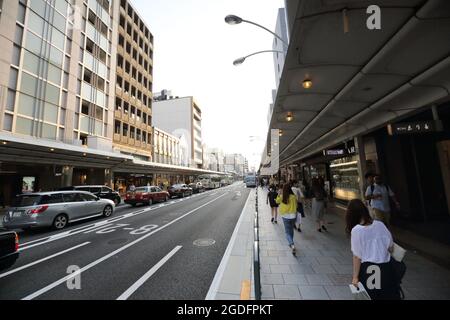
{"points": [[108, 211], [60, 222], [150, 202]]}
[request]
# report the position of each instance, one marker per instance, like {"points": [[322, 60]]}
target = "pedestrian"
{"points": [[300, 207], [368, 183], [132, 187], [379, 194], [319, 197], [271, 199], [288, 211], [371, 245]]}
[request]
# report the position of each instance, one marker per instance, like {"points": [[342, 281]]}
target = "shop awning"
{"points": [[362, 79]]}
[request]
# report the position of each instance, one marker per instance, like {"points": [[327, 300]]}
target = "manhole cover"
{"points": [[118, 241], [204, 242]]}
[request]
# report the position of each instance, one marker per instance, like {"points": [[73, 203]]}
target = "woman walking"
{"points": [[288, 211], [319, 196], [300, 208], [371, 244], [271, 199]]}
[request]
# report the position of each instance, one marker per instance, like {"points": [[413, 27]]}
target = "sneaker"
{"points": [[299, 230], [320, 230], [324, 228], [294, 251], [276, 221], [272, 219]]}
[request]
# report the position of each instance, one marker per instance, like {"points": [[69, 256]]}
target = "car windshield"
{"points": [[26, 200], [142, 189]]}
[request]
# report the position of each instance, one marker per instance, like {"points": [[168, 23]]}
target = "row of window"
{"points": [[133, 52], [134, 34], [138, 22], [133, 112], [131, 132], [133, 72], [133, 91]]}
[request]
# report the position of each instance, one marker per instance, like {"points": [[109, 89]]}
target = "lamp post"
{"points": [[240, 61], [233, 20]]}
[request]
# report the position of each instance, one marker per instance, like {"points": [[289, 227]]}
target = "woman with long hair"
{"points": [[271, 199], [371, 244], [288, 211]]}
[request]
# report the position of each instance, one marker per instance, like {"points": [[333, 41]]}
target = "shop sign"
{"points": [[413, 127]]}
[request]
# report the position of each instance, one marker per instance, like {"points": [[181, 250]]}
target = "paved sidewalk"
{"points": [[322, 269]]}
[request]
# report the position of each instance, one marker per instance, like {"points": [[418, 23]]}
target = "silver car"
{"points": [[54, 209]]}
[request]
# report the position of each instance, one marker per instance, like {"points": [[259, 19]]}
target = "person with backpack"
{"points": [[271, 199], [288, 211], [372, 245], [319, 197], [300, 208], [379, 195]]}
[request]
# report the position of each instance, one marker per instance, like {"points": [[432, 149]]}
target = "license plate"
{"points": [[17, 214]]}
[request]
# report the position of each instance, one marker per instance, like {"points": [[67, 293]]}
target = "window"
{"points": [[125, 130], [144, 118], [117, 126], [24, 126], [118, 104], [132, 132]]}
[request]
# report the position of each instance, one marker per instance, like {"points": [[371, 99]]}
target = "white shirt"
{"points": [[298, 193], [383, 203], [371, 243]]}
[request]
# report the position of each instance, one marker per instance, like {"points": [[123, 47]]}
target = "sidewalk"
{"points": [[322, 269]]}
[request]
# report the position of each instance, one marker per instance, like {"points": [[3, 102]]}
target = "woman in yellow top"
{"points": [[288, 211]]}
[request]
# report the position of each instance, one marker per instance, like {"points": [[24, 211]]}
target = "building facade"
{"points": [[182, 117], [134, 81], [167, 148]]}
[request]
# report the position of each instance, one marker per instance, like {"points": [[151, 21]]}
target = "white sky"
{"points": [[193, 53]]}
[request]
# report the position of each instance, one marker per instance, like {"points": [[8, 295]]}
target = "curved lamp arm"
{"points": [[241, 60], [232, 19]]}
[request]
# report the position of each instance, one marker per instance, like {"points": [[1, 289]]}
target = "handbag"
{"points": [[359, 293]]}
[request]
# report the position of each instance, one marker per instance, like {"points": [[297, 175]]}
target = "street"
{"points": [[164, 251]]}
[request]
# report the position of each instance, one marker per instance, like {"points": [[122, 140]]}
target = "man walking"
{"points": [[379, 195]]}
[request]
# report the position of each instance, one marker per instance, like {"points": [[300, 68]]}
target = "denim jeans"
{"points": [[289, 225]]}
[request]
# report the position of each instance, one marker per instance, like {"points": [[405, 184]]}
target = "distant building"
{"points": [[182, 117], [282, 31], [168, 149]]}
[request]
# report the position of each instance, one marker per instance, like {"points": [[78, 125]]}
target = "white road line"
{"points": [[145, 277], [41, 260], [100, 260], [214, 288], [65, 234]]}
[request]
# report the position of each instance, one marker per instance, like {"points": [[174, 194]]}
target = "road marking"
{"points": [[117, 251], [69, 233], [245, 290], [42, 260], [221, 270], [145, 277]]}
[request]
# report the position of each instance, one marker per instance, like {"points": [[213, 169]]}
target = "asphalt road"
{"points": [[147, 252]]}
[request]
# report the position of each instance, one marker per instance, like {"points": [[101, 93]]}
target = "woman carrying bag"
{"points": [[288, 211], [271, 199], [372, 245]]}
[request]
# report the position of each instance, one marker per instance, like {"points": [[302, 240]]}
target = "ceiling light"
{"points": [[307, 84], [52, 149], [4, 143], [289, 117], [84, 154], [280, 132]]}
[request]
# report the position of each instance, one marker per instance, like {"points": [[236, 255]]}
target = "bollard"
{"points": [[256, 269]]}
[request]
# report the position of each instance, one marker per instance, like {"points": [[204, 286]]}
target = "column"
{"points": [[67, 176], [109, 178], [362, 165]]}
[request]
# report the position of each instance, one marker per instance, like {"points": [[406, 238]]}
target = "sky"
{"points": [[194, 50]]}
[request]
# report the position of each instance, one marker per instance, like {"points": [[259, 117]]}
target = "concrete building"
{"points": [[168, 149], [134, 81], [236, 163], [217, 159], [280, 58], [58, 93], [182, 116]]}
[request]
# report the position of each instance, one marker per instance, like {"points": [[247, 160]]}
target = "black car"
{"points": [[9, 249], [197, 187], [180, 190], [102, 192]]}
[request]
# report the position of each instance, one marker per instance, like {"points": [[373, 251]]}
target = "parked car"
{"points": [[146, 195], [180, 190], [9, 249], [102, 192], [197, 187], [54, 209]]}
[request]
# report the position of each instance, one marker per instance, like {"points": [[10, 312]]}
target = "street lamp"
{"points": [[233, 20], [242, 60]]}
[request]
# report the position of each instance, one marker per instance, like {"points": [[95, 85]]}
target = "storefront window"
{"points": [[345, 178]]}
